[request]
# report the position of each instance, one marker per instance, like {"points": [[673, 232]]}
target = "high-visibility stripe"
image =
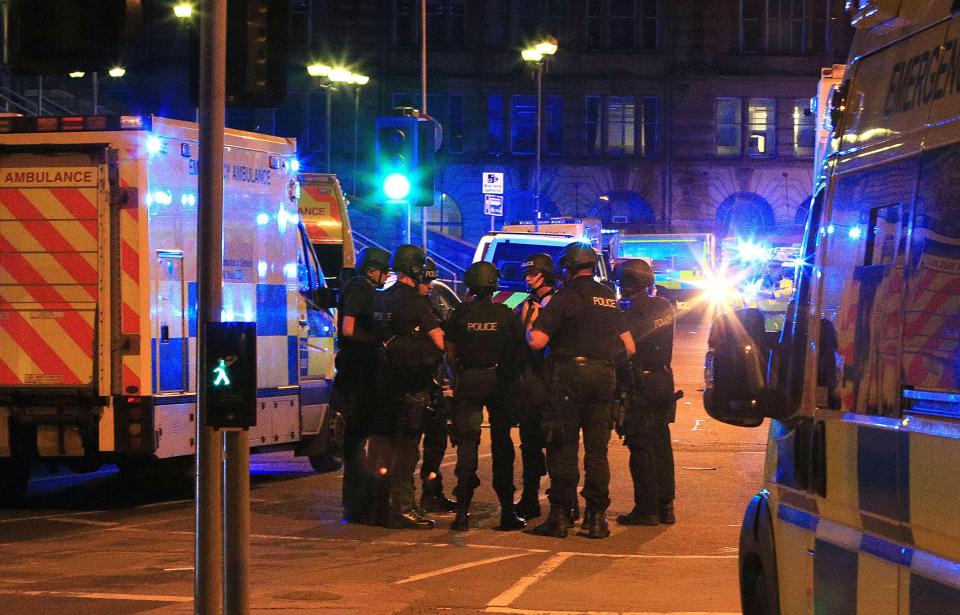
{"points": [[43, 354], [77, 201]]}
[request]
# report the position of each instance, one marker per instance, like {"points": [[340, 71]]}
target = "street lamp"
{"points": [[537, 56], [338, 75]]}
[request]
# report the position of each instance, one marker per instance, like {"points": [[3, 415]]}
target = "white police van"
{"points": [[858, 513]]}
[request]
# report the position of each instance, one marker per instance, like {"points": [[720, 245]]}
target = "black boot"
{"points": [[635, 517], [555, 526], [461, 523], [529, 505], [594, 524], [509, 520], [381, 502], [573, 514], [437, 502], [666, 514], [410, 519]]}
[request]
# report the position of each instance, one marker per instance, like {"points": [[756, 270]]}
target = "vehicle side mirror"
{"points": [[735, 389]]}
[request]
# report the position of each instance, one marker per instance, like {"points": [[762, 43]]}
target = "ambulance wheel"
{"points": [[757, 598], [14, 477], [331, 459]]}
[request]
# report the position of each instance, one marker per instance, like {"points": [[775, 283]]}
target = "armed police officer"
{"points": [[356, 368], [540, 277], [585, 332], [432, 498], [412, 345], [484, 341], [651, 402]]}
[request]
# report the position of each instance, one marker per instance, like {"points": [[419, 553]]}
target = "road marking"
{"points": [[495, 609], [524, 583], [50, 516], [97, 596], [458, 567], [696, 426], [85, 521]]}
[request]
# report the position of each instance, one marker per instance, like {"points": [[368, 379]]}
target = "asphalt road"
{"points": [[99, 545]]}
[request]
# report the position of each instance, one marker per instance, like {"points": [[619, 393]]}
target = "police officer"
{"points": [[540, 277], [586, 334], [483, 344], [432, 498], [651, 405], [412, 345], [352, 394]]}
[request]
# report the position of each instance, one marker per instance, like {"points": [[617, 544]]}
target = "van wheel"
{"points": [[755, 588], [331, 459], [14, 477]]}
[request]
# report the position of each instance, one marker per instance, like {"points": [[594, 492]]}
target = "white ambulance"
{"points": [[858, 512], [98, 292]]}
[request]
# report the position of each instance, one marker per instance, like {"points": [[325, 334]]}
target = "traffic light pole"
{"points": [[208, 543]]}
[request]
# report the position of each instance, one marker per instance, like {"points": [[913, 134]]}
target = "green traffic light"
{"points": [[396, 186], [220, 371]]}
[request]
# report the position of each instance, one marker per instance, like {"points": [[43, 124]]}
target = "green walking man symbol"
{"points": [[220, 371]]}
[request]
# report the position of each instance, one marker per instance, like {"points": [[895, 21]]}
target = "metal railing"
{"points": [[448, 271], [13, 101]]}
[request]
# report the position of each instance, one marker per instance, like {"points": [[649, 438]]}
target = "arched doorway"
{"points": [[745, 214], [445, 218], [622, 207]]}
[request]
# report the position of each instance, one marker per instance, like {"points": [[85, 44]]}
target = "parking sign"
{"points": [[492, 183]]}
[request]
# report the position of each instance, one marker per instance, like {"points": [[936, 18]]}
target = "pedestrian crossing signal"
{"points": [[230, 383]]}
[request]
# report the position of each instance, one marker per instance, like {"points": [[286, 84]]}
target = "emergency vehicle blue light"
{"points": [[294, 165], [262, 219], [290, 270], [262, 268], [154, 145], [831, 229], [162, 197], [854, 232], [747, 251]]}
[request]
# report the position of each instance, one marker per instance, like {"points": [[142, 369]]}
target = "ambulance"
{"points": [[861, 488], [681, 262], [323, 210], [98, 293], [510, 248]]}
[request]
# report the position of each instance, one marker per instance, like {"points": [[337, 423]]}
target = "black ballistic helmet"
{"points": [[408, 259], [578, 255], [481, 275], [634, 275], [541, 263], [374, 258], [429, 273]]}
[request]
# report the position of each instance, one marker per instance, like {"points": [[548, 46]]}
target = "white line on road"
{"points": [[457, 568], [50, 516], [97, 596], [521, 586], [496, 609]]}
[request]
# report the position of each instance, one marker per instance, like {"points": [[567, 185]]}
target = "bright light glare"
{"points": [[359, 79], [117, 71], [531, 55], [183, 10], [396, 186], [830, 229], [319, 70], [749, 252], [154, 145], [294, 165], [77, 74], [340, 75], [262, 219], [547, 47], [854, 232]]}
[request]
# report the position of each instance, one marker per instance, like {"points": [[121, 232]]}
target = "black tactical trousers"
{"points": [[651, 468], [477, 388], [532, 444], [354, 402], [434, 448], [583, 398]]}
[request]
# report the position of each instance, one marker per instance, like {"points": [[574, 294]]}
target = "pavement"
{"points": [[99, 545]]}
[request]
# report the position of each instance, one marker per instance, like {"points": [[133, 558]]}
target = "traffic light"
{"points": [[405, 160], [257, 45], [59, 36], [230, 374]]}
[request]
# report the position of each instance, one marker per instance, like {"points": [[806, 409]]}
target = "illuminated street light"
{"points": [[340, 75], [77, 74], [117, 72], [183, 10], [537, 56]]}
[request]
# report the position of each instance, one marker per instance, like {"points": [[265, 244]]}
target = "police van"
{"points": [[858, 512], [510, 248], [98, 292]]}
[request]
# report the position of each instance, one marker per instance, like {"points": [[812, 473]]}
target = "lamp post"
{"points": [[340, 75], [537, 56]]}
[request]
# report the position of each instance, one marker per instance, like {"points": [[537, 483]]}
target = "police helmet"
{"points": [[540, 263], [481, 275], [429, 273], [373, 258], [578, 255], [408, 259], [634, 275]]}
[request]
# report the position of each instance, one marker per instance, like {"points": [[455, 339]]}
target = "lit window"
{"points": [[762, 126], [618, 126], [621, 125], [804, 128]]}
